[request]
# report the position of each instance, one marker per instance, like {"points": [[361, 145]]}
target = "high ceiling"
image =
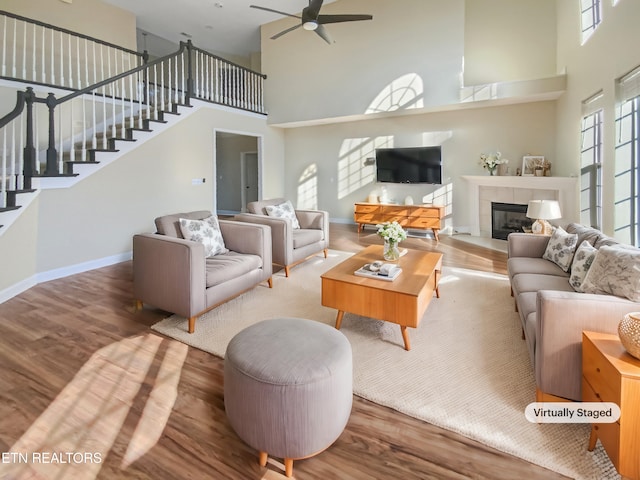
{"points": [[225, 26]]}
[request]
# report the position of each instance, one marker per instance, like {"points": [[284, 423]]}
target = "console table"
{"points": [[422, 217]]}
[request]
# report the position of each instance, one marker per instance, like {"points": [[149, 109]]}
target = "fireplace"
{"points": [[507, 218]]}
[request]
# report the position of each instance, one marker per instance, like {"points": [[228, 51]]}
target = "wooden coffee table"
{"points": [[402, 301]]}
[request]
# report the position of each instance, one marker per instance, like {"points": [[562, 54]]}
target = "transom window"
{"points": [[590, 17]]}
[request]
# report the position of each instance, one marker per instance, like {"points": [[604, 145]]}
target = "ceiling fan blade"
{"points": [[278, 35], [324, 19], [322, 32], [313, 10], [275, 11]]}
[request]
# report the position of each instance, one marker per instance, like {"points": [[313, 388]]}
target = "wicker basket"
{"points": [[629, 333]]}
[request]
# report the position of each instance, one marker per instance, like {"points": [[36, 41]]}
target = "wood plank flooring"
{"points": [[82, 372]]}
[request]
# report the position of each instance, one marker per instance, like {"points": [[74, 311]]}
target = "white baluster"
{"points": [[131, 122], [176, 99], [4, 50], [169, 93], [78, 63], [44, 63], [104, 119], [206, 78], [60, 141], [146, 96], [13, 66], [184, 91], [155, 92], [72, 148], [70, 63], [61, 61], [102, 66], [87, 82], [140, 94], [123, 114], [53, 59], [197, 76], [14, 169], [34, 55], [162, 86], [93, 48], [94, 140], [84, 129], [3, 178], [24, 50], [217, 80], [36, 136]]}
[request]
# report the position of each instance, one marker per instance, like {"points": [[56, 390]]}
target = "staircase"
{"points": [[57, 138]]}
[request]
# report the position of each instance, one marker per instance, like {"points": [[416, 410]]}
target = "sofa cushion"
{"points": [[205, 231], [615, 271], [593, 236], [229, 266], [561, 248], [582, 260], [532, 282], [518, 265], [283, 210], [304, 237]]}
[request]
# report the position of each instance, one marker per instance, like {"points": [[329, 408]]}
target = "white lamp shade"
{"points": [[543, 209]]}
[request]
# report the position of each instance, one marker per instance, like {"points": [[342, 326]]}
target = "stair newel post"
{"points": [[52, 154], [29, 167], [189, 74], [145, 79]]}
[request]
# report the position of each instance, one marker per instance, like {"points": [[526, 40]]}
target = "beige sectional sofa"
{"points": [[175, 275], [554, 314]]}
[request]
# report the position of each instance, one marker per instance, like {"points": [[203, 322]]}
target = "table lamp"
{"points": [[542, 211]]}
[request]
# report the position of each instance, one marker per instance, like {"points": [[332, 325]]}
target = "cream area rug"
{"points": [[468, 370]]}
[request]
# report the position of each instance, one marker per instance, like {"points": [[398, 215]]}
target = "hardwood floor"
{"points": [[83, 373]]}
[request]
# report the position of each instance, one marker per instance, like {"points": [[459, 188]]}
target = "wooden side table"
{"points": [[610, 374]]}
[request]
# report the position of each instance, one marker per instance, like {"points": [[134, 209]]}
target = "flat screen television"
{"points": [[409, 165]]}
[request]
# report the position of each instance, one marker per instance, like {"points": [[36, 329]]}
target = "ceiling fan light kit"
{"points": [[312, 21]]}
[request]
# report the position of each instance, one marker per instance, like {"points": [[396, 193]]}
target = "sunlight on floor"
{"points": [[74, 435]]}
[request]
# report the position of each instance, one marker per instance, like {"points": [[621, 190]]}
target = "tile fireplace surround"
{"points": [[484, 189]]}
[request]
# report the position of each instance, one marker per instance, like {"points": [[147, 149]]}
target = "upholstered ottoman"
{"points": [[288, 387]]}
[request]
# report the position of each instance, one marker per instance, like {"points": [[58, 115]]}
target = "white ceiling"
{"points": [[224, 26]]}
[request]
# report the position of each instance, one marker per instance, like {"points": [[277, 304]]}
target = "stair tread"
{"points": [[112, 150], [80, 162], [8, 209], [44, 175]]}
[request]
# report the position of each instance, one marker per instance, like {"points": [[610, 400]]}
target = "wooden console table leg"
{"points": [[339, 319], [435, 234], [359, 227], [405, 337]]}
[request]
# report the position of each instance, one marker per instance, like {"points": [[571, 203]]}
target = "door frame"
{"points": [[243, 184], [260, 148]]}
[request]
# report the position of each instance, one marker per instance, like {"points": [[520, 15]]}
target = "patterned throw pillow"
{"points": [[560, 248], [582, 260], [205, 231], [615, 271], [284, 210]]}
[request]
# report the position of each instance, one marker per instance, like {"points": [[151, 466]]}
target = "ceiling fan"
{"points": [[312, 20]]}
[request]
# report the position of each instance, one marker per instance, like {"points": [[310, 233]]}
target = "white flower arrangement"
{"points": [[391, 232], [492, 160]]}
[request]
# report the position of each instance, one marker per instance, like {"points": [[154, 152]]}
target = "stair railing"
{"points": [[39, 53]]}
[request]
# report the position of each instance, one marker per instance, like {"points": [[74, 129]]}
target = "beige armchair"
{"points": [[291, 246], [173, 274]]}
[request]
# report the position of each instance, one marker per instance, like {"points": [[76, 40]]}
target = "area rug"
{"points": [[468, 371]]}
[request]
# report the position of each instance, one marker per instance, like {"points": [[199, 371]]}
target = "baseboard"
{"points": [[32, 281]]}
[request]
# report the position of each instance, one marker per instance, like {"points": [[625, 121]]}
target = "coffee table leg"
{"points": [[405, 337], [339, 319]]}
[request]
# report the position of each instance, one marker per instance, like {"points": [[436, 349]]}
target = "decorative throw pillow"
{"points": [[615, 271], [561, 248], [582, 260], [205, 231], [284, 210]]}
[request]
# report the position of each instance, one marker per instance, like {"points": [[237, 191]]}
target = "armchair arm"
{"points": [[169, 273], [562, 316], [526, 245], [248, 238], [281, 235]]}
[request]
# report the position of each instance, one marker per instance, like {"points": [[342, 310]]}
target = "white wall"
{"points": [[609, 53]]}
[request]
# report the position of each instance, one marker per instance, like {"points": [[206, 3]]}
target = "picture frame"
{"points": [[530, 163]]}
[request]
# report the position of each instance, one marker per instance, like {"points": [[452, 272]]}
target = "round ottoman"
{"points": [[288, 387]]}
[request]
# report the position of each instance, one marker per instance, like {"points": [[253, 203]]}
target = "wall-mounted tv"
{"points": [[409, 165]]}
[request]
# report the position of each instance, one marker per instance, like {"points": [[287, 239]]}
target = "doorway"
{"points": [[237, 169]]}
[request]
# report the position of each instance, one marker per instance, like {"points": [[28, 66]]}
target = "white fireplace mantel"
{"points": [[519, 190]]}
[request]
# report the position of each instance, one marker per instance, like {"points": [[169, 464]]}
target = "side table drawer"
{"points": [[425, 212], [600, 374], [424, 222]]}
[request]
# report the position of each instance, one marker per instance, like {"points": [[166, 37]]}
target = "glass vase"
{"points": [[391, 252], [492, 171]]}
